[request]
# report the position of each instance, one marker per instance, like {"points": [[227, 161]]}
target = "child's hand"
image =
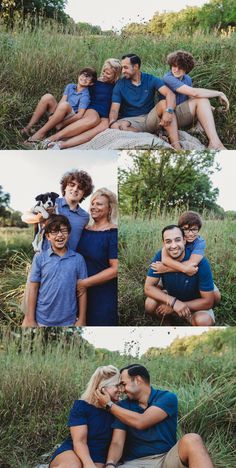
{"points": [[224, 100], [191, 269], [80, 323], [29, 322], [158, 267], [81, 288]]}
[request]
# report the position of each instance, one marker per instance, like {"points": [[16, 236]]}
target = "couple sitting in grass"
{"points": [[128, 104], [179, 280], [138, 431]]}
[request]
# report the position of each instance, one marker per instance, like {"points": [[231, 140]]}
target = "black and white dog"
{"points": [[46, 205]]}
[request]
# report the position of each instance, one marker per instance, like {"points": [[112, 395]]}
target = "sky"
{"points": [[139, 339], [224, 179], [116, 14], [26, 174]]}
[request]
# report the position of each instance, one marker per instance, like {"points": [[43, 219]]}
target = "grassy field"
{"points": [[45, 61], [139, 240], [16, 254], [36, 395]]}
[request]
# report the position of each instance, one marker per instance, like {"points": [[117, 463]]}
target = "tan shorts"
{"points": [[164, 460], [209, 312], [145, 122], [184, 116]]}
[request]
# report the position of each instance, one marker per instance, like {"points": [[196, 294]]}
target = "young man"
{"points": [[53, 280], [192, 103], [147, 422], [70, 108], [75, 187], [133, 98], [190, 297]]}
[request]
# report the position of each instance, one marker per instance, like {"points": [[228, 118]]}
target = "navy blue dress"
{"points": [[97, 248], [99, 424], [101, 96]]}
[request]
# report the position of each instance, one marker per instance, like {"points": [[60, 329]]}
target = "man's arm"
{"points": [[114, 113], [149, 418], [116, 446], [153, 292], [189, 267], [29, 320], [204, 302], [204, 93]]}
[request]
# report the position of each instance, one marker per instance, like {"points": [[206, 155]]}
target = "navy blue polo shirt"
{"points": [[182, 286], [160, 437], [136, 100], [58, 276]]}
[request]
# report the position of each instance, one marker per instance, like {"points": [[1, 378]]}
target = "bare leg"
{"points": [[217, 297], [151, 306], [201, 319], [125, 125], [172, 128], [47, 103], [88, 121], [202, 108], [67, 459], [193, 452], [85, 136], [62, 110]]}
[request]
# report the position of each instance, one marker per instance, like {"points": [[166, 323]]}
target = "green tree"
{"points": [[4, 203], [160, 181]]}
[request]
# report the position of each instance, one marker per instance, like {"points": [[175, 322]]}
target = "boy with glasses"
{"points": [[54, 276]]}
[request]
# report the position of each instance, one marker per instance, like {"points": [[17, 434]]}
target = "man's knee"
{"points": [[150, 306], [202, 319], [190, 441], [161, 106]]}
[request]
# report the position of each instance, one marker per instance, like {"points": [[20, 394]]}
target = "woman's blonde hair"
{"points": [[112, 200], [102, 377], [115, 64]]}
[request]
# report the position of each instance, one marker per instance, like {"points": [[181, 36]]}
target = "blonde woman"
{"points": [[90, 425], [98, 246], [95, 119]]}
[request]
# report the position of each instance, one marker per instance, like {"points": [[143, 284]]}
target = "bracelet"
{"points": [[110, 464], [109, 126], [173, 302]]}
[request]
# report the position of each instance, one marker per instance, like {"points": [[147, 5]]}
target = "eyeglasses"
{"points": [[55, 232], [193, 230]]}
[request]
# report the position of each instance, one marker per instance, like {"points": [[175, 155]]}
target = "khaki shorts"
{"points": [[145, 122], [164, 460], [209, 312], [184, 116]]}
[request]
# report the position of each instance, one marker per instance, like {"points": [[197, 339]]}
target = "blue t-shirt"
{"points": [[160, 437], [182, 286], [77, 99], [98, 422], [198, 246], [100, 95], [136, 100], [58, 276], [175, 83]]}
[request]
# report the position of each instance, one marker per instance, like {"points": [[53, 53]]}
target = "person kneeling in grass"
{"points": [[53, 280], [192, 103], [189, 297], [70, 108]]}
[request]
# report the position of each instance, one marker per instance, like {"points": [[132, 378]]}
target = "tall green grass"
{"points": [[140, 239], [40, 379], [33, 63]]}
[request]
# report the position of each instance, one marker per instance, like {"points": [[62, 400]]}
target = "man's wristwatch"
{"points": [[109, 405], [170, 110]]}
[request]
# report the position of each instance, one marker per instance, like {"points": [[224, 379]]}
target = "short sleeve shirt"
{"points": [[98, 423], [160, 437], [175, 83], [77, 99], [136, 100], [182, 286], [58, 276], [198, 246]]}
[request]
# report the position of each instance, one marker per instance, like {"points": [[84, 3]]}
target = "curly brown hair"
{"points": [[81, 177], [182, 59], [190, 218]]}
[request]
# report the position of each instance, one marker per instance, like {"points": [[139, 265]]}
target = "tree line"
{"points": [[8, 216]]}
